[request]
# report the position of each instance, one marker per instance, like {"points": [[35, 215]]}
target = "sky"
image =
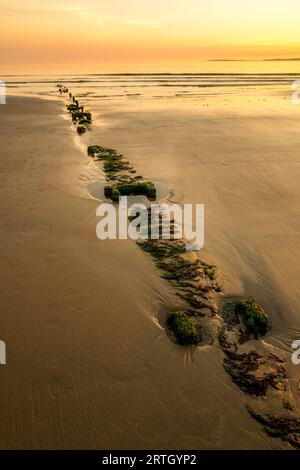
{"points": [[44, 36]]}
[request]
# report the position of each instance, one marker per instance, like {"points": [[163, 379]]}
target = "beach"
{"points": [[241, 161], [88, 363]]}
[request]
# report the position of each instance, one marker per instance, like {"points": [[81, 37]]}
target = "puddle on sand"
{"points": [[96, 190]]}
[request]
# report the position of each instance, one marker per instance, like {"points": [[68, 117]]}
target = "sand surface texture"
{"points": [[88, 364]]}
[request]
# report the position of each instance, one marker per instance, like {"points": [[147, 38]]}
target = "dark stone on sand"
{"points": [[79, 115], [185, 329]]}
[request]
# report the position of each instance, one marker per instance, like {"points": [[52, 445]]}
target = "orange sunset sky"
{"points": [[44, 36]]}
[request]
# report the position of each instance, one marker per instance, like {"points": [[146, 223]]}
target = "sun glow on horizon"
{"points": [[46, 35]]}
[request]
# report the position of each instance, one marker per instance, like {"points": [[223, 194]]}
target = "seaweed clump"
{"points": [[161, 249], [78, 115], [115, 166], [95, 150], [254, 317], [187, 274], [129, 189], [118, 169], [72, 107], [184, 328], [259, 374], [255, 373], [81, 129]]}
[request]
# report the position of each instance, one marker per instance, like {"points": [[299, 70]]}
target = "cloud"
{"points": [[75, 11], [35, 6]]}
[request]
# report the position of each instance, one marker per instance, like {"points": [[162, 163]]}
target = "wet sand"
{"points": [[240, 158], [88, 364]]}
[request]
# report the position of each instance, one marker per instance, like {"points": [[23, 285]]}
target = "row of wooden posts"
{"points": [[79, 116]]}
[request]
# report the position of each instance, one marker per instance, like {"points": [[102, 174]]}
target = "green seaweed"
{"points": [[210, 272], [286, 427], [114, 165], [192, 301], [129, 189], [179, 269], [159, 249], [72, 108], [94, 150], [81, 130], [249, 372], [84, 122], [254, 317]]}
